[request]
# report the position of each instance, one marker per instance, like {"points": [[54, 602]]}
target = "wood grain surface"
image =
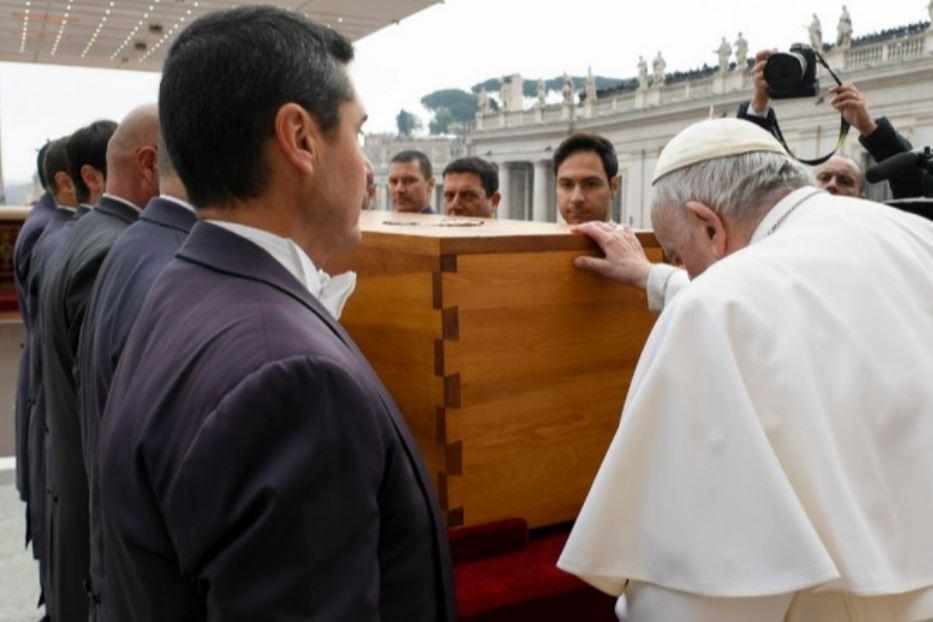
{"points": [[510, 365]]}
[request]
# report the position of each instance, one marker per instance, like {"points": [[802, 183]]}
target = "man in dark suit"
{"points": [[29, 233], [877, 136], [131, 180], [90, 148], [52, 168], [252, 465], [124, 279]]}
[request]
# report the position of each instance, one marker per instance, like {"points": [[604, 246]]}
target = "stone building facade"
{"points": [[380, 148], [893, 69]]}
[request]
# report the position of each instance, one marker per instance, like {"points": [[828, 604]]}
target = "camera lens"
{"points": [[785, 70]]}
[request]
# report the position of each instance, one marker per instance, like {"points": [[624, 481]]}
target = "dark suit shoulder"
{"points": [[243, 437], [270, 445]]}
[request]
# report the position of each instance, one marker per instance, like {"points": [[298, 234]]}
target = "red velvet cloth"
{"points": [[526, 585], [499, 537]]}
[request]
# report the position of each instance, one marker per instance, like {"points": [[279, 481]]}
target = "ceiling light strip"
{"points": [[66, 16], [100, 26], [171, 31]]}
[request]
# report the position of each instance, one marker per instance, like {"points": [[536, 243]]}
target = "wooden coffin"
{"points": [[510, 365]]}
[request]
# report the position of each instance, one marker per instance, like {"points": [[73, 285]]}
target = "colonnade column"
{"points": [[503, 210], [386, 202], [540, 193]]}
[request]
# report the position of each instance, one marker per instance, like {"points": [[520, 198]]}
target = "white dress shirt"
{"points": [[332, 292]]}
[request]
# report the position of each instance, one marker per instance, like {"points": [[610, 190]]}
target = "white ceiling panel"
{"points": [[135, 34]]}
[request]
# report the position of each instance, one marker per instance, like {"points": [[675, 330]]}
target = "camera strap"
{"points": [[843, 125]]}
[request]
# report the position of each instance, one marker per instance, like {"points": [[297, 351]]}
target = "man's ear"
{"points": [[63, 182], [148, 162], [92, 178], [431, 183], [298, 137], [712, 226], [614, 184], [495, 198]]}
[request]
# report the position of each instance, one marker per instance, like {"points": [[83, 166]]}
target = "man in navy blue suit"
{"points": [[124, 279], [131, 180], [252, 465]]}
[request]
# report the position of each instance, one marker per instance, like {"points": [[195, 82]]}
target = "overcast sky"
{"points": [[455, 45]]}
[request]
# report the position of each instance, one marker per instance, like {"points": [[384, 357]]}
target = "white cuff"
{"points": [[664, 282]]}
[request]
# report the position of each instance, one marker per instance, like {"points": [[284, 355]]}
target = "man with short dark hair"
{"points": [[23, 250], [60, 189], [132, 179], [587, 172], [26, 239], [411, 181], [57, 175], [471, 188], [251, 464], [57, 166], [87, 161]]}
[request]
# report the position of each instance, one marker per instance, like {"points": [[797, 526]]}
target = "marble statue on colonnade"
{"points": [[483, 101], [659, 66], [504, 94], [816, 34], [844, 38], [643, 71], [567, 90], [724, 51], [741, 53], [542, 93]]}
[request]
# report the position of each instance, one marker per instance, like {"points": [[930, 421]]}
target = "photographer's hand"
{"points": [[761, 101], [850, 103]]}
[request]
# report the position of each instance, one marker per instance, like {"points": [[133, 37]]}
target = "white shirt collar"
{"points": [[177, 201], [332, 292], [781, 211], [124, 201], [67, 207]]}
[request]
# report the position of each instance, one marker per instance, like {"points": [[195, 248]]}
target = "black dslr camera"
{"points": [[793, 73]]}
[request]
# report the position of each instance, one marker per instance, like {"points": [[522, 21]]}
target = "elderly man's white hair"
{"points": [[730, 165], [740, 187]]}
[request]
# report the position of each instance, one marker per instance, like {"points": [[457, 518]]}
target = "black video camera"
{"points": [[793, 73]]}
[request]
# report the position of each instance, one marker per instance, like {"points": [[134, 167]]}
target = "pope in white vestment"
{"points": [[774, 459]]}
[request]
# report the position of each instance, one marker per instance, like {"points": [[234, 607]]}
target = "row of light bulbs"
{"points": [[22, 45], [61, 28], [171, 31], [100, 26]]}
